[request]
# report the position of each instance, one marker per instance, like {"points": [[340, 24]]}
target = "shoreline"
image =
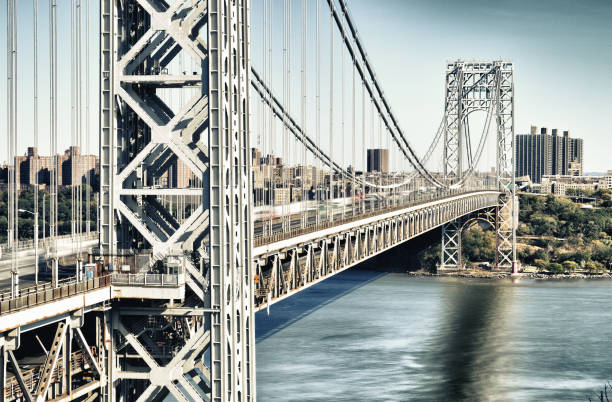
{"points": [[473, 274]]}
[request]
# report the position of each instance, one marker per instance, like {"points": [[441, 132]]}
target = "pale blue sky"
{"points": [[562, 52], [25, 77]]}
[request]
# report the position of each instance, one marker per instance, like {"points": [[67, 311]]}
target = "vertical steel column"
{"points": [[108, 367], [486, 86], [453, 117], [451, 245], [232, 335], [108, 126], [3, 358], [507, 218]]}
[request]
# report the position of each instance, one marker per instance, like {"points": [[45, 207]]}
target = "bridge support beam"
{"points": [[198, 50], [470, 87], [497, 218], [451, 246]]}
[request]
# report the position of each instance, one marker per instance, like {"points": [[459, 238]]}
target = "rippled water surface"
{"points": [[367, 336]]}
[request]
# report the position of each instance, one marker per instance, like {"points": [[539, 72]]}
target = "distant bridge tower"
{"points": [[175, 194], [470, 87]]}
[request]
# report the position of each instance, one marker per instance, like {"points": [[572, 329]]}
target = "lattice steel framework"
{"points": [[451, 244], [470, 87], [155, 121], [233, 344], [451, 235]]}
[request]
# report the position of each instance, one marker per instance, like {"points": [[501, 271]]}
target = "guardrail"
{"points": [[148, 279], [262, 240], [47, 241], [45, 293]]}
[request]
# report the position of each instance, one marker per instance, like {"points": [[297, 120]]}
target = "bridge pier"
{"points": [[451, 246], [465, 83], [498, 219]]}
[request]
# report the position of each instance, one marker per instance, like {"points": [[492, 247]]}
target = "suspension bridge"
{"points": [[247, 151]]}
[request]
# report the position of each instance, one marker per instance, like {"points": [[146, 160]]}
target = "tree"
{"points": [[544, 225], [478, 244], [570, 266], [554, 268], [594, 266], [3, 228]]}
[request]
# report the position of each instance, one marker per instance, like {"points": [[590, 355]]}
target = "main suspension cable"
{"points": [[394, 127]]}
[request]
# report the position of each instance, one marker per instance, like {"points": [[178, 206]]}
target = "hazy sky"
{"points": [[561, 49], [562, 52]]}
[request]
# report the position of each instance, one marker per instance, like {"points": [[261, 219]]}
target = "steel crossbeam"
{"points": [[144, 133], [470, 87]]}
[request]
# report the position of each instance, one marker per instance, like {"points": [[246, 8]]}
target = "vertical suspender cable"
{"points": [[288, 140], [286, 86], [53, 138], [16, 179], [330, 212], [72, 112], [342, 131], [363, 146], [380, 171], [389, 167], [270, 162], [318, 103], [262, 108], [13, 235], [36, 141], [9, 127], [354, 137], [303, 107], [369, 156], [87, 124], [80, 158], [287, 102]]}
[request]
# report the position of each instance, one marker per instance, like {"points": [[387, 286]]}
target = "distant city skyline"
{"points": [[561, 51]]}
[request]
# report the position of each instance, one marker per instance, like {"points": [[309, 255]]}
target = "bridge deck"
{"points": [[301, 258], [278, 241], [40, 305]]}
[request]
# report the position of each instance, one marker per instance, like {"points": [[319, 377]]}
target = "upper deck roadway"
{"points": [[285, 261]]}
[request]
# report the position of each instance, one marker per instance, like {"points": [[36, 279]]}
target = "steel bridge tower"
{"points": [[488, 87], [174, 96]]}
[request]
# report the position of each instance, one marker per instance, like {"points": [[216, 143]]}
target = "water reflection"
{"points": [[292, 309], [468, 352], [400, 338]]}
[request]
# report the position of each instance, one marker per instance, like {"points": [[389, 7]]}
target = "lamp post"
{"points": [[35, 215]]}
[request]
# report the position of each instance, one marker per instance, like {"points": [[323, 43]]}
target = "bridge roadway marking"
{"points": [[309, 237]]}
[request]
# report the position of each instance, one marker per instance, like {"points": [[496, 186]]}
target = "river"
{"points": [[370, 336]]}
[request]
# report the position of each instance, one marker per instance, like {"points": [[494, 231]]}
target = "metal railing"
{"points": [[45, 293], [143, 279], [262, 240], [47, 241]]}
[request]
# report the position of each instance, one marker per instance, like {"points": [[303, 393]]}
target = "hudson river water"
{"points": [[368, 336]]}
